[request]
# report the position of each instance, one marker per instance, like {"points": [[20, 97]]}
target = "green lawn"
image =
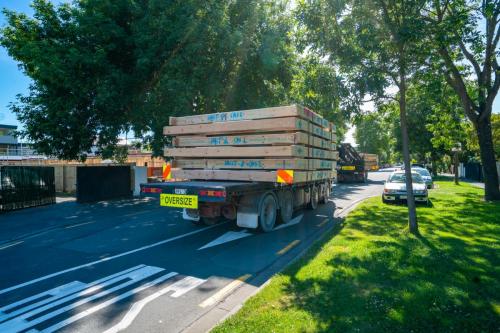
{"points": [[371, 275]]}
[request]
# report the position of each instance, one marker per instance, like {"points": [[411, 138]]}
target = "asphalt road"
{"points": [[134, 266]]}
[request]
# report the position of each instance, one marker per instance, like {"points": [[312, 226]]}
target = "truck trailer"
{"points": [[254, 167]]}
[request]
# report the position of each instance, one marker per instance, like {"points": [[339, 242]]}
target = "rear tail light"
{"points": [[206, 193], [151, 190]]}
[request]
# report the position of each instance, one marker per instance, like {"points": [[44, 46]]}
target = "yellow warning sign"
{"points": [[167, 174], [284, 176]]}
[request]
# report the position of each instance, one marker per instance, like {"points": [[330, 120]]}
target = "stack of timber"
{"points": [[253, 145], [371, 161]]}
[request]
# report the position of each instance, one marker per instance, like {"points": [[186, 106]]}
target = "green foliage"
{"points": [[101, 67], [318, 86], [368, 275], [374, 135]]}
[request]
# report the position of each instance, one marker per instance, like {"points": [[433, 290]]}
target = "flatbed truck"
{"points": [[251, 204]]}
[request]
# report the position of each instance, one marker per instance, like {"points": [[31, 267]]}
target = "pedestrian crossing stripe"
{"points": [[284, 176], [43, 307]]}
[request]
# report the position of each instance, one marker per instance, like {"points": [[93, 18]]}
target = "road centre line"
{"points": [[224, 291], [6, 290], [288, 247], [322, 223]]}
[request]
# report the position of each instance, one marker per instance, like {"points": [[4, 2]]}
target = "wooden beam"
{"points": [[250, 175], [258, 151], [253, 114], [249, 126], [255, 164], [253, 139]]}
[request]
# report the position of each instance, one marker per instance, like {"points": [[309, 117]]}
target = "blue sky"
{"points": [[13, 81]]}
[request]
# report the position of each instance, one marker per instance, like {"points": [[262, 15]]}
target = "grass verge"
{"points": [[371, 275]]}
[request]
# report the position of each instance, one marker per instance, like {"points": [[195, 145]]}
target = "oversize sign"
{"points": [[179, 201]]}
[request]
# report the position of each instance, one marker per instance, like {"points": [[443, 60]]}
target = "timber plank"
{"points": [[255, 164], [249, 175], [253, 114], [253, 139], [242, 152], [248, 126]]}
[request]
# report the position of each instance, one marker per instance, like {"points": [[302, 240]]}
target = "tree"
{"points": [[317, 85], [101, 67], [469, 59], [375, 43], [374, 136]]}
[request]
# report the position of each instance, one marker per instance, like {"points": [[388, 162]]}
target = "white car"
{"points": [[395, 188], [426, 176]]}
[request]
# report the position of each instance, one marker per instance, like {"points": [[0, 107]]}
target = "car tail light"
{"points": [[207, 193], [151, 190]]}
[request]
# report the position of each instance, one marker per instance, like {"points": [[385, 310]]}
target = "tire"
{"points": [[286, 209], [324, 194], [267, 213], [384, 201], [313, 202]]}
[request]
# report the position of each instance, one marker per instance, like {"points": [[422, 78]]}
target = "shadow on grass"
{"points": [[385, 280]]}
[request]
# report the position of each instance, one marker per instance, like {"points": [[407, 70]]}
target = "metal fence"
{"points": [[96, 183], [26, 186]]}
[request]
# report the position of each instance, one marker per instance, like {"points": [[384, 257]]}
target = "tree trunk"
{"points": [[483, 129], [412, 211]]}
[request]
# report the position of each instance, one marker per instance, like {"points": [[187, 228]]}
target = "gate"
{"points": [[474, 171], [97, 183], [26, 186]]}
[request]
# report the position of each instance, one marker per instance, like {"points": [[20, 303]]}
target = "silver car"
{"points": [[426, 176], [395, 188]]}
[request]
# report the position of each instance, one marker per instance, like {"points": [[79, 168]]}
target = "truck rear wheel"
{"points": [[313, 203], [286, 209], [267, 213]]}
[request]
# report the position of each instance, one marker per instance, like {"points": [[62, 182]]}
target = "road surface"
{"points": [[134, 266]]}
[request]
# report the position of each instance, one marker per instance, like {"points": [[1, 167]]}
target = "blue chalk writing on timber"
{"points": [[236, 115], [242, 163], [219, 140], [217, 117], [239, 140]]}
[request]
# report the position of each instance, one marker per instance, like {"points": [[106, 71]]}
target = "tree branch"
{"points": [[492, 93], [457, 83], [470, 57]]}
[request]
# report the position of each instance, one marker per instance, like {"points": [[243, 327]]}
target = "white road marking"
{"points": [[227, 237], [12, 244], [61, 292], [6, 290], [180, 288], [293, 221], [224, 291], [22, 322], [107, 303], [183, 286]]}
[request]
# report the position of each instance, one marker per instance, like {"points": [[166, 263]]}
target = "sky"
{"points": [[14, 82]]}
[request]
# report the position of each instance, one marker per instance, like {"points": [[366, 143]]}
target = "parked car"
{"points": [[426, 176], [395, 188]]}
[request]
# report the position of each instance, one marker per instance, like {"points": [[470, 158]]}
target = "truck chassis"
{"points": [[250, 204]]}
